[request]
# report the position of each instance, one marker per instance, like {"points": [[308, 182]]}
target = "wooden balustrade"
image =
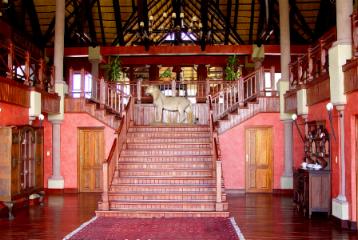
{"points": [[18, 64], [14, 93], [109, 166], [355, 34], [50, 102], [246, 89], [314, 64]]}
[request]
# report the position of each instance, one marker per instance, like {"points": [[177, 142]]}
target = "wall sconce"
{"points": [[294, 118], [41, 117], [329, 108]]}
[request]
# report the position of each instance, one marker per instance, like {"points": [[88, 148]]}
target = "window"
{"points": [[77, 88]]}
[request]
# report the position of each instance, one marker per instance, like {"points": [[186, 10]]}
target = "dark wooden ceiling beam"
{"points": [[227, 24], [142, 16], [35, 25], [91, 27], [118, 19], [99, 10], [220, 15], [176, 5], [204, 8], [252, 17], [326, 18], [262, 21], [301, 20], [236, 15]]}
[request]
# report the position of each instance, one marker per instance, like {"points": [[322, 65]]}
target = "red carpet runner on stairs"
{"points": [[157, 229]]}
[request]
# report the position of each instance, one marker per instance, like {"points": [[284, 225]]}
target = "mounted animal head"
{"points": [[153, 91]]}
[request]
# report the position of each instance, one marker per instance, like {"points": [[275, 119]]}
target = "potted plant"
{"points": [[232, 68], [113, 69], [166, 75]]}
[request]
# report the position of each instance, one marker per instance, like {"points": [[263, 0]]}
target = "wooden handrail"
{"points": [[109, 166]]}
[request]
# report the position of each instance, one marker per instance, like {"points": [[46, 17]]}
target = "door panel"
{"points": [[90, 158], [259, 160]]}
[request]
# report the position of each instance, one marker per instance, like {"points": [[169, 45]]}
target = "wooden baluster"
{"points": [[40, 77], [102, 93], [139, 91], [82, 89], [10, 59], [323, 57], [207, 88], [241, 91], [272, 78], [219, 206], [27, 68], [311, 65], [52, 79]]}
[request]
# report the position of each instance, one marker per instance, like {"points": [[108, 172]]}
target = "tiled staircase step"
{"points": [[161, 188], [167, 173], [168, 140], [165, 128], [163, 206], [159, 214], [169, 134], [166, 152], [165, 159], [159, 165], [179, 196], [170, 180], [165, 145]]}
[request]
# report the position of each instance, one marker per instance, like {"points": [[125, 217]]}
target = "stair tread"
{"points": [[161, 201], [163, 193]]}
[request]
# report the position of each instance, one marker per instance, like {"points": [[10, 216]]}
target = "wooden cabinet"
{"points": [[21, 163], [312, 191]]}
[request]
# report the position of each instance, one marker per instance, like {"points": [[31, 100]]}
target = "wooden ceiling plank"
{"points": [[251, 30], [92, 31], [35, 25], [301, 19], [262, 20]]}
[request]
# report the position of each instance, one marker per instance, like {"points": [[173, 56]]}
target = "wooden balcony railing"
{"points": [[18, 64], [244, 90], [314, 64]]}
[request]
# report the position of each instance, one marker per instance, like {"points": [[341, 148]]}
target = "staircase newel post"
{"points": [[272, 78], [207, 89], [27, 68], [105, 202], [219, 205], [174, 88], [10, 59], [102, 93], [70, 81], [139, 90], [241, 91]]}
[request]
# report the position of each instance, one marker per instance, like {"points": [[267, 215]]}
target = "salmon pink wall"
{"points": [[69, 126], [298, 150], [13, 115], [232, 145]]}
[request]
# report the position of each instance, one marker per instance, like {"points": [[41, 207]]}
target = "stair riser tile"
{"points": [[173, 166], [161, 189], [167, 140], [165, 152], [167, 145], [163, 181], [174, 197], [164, 159], [170, 135], [164, 207], [169, 129], [191, 173]]}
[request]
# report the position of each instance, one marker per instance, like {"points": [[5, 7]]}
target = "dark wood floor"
{"points": [[259, 216]]}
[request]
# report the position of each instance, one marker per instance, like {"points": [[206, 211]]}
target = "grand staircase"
{"points": [[165, 171]]}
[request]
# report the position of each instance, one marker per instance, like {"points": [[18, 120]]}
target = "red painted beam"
{"points": [[178, 50]]}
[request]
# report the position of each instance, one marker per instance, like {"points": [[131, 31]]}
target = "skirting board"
{"points": [[61, 191], [344, 224], [274, 191]]}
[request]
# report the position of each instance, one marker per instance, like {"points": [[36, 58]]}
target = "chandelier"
{"points": [[4, 5], [177, 31]]}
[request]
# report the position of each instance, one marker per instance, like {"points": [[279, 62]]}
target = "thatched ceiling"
{"points": [[116, 22]]}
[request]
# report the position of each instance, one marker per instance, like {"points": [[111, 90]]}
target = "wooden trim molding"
{"points": [[344, 224]]}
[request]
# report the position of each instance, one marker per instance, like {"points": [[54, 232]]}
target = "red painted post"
{"points": [[40, 74], [27, 68], [70, 81], [10, 59], [82, 93]]}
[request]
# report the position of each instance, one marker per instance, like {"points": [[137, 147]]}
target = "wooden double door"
{"points": [[90, 158], [259, 158]]}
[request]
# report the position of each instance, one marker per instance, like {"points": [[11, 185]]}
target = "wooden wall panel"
{"points": [[350, 70], [318, 92], [14, 93], [291, 102], [50, 102]]}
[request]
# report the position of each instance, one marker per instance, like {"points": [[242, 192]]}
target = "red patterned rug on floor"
{"points": [[156, 229]]}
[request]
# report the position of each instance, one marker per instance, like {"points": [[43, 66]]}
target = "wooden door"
{"points": [[259, 155], [90, 159]]}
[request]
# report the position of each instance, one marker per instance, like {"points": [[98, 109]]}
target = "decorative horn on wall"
{"points": [[329, 108], [294, 118]]}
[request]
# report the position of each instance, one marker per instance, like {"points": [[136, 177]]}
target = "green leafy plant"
{"points": [[232, 68], [113, 68], [166, 74]]}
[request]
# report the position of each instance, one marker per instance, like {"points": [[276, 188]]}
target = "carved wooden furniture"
{"points": [[312, 191], [21, 163]]}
